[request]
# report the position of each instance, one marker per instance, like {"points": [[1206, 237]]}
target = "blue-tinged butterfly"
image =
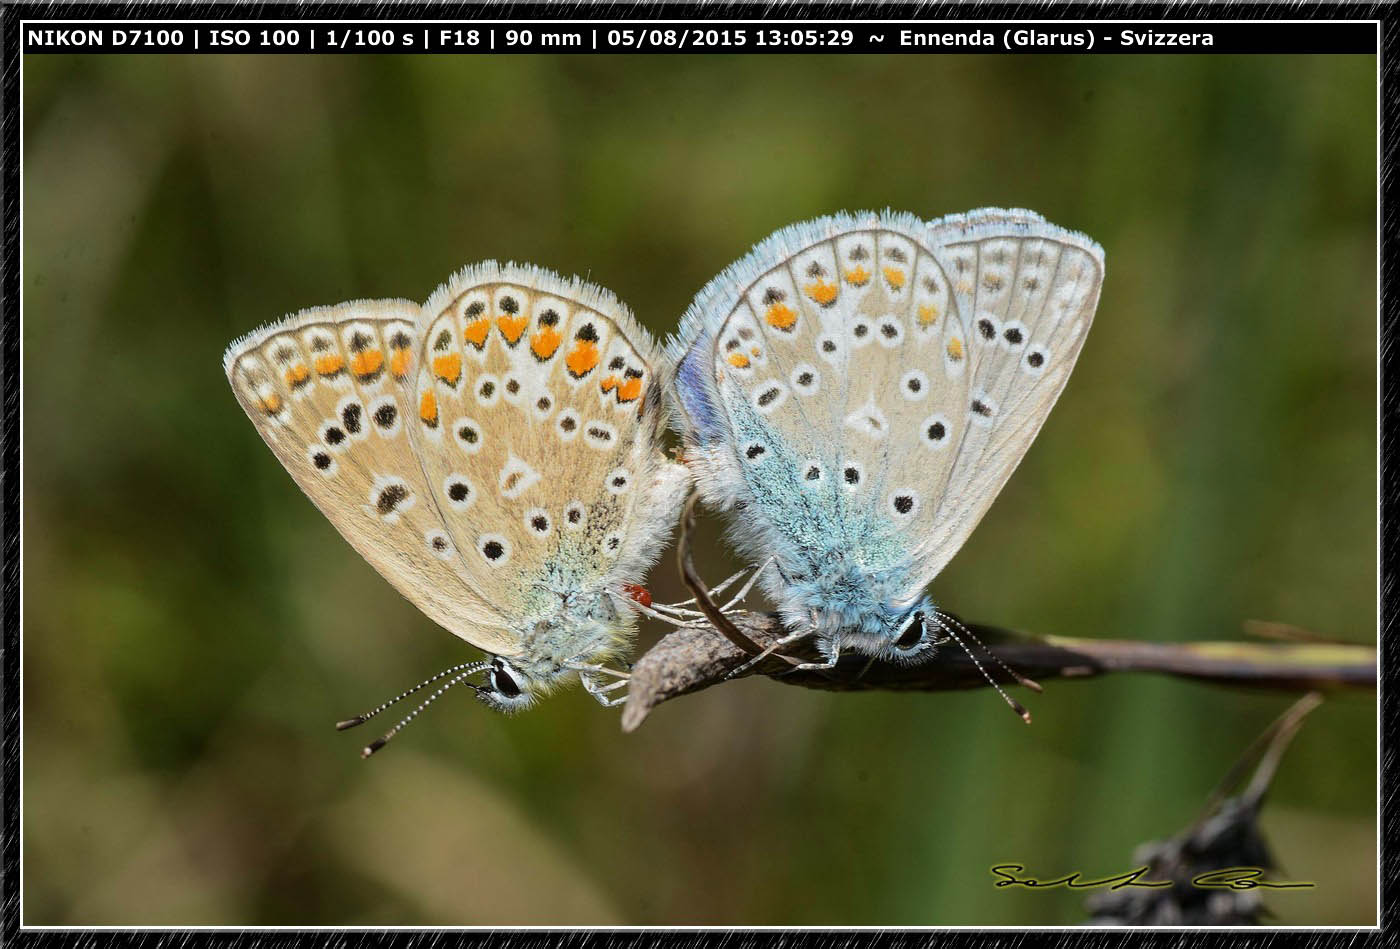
{"points": [[859, 388], [494, 453]]}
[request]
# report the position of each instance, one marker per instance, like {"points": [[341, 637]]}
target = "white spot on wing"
{"points": [[869, 420], [805, 380], [458, 491], [488, 389], [568, 425], [386, 407], [389, 497], [890, 332], [913, 385], [538, 522], [862, 333], [767, 396], [575, 515], [600, 435], [439, 544], [829, 348], [468, 435], [494, 549], [328, 467], [516, 478], [935, 430], [904, 503], [612, 544], [618, 481]]}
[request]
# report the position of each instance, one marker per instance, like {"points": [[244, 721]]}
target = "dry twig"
{"points": [[692, 659]]}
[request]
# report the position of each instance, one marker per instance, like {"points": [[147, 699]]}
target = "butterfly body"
{"points": [[858, 388], [494, 453], [583, 627]]}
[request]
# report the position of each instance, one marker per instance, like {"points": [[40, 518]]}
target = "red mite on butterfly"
{"points": [[638, 593]]}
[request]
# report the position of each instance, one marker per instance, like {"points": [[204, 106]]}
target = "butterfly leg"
{"points": [[679, 619], [744, 590], [596, 670], [773, 647], [830, 663], [676, 614], [720, 588], [715, 591], [600, 692]]}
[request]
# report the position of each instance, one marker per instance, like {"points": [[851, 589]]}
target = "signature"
{"points": [[1227, 878]]}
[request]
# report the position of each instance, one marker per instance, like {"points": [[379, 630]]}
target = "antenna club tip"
{"points": [[1025, 716], [372, 747], [349, 723]]}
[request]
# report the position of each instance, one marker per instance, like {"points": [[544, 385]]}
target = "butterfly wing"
{"points": [[1021, 295], [839, 379], [331, 391], [539, 411], [779, 360]]}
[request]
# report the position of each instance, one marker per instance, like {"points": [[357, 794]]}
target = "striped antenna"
{"points": [[378, 743], [1016, 706], [1029, 683], [466, 668]]}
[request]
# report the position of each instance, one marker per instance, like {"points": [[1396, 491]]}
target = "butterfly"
{"points": [[859, 388], [493, 453]]}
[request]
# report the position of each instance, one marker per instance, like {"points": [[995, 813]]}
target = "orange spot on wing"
{"points": [[955, 348], [367, 363], [927, 314], [297, 375], [427, 408], [582, 358], [272, 404], [638, 593], [544, 343], [629, 390], [894, 276], [511, 327], [739, 360], [475, 333], [329, 365], [824, 293], [400, 362], [781, 316], [448, 368], [857, 277], [609, 384]]}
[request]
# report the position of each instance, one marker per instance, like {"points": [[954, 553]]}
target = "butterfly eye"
{"points": [[913, 632], [503, 682]]}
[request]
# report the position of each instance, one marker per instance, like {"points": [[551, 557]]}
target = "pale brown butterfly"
{"points": [[494, 453]]}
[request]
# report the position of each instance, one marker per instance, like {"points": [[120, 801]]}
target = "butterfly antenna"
{"points": [[1029, 683], [1016, 706], [465, 668], [378, 743]]}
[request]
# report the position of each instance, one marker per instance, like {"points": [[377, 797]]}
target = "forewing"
{"points": [[331, 391], [1024, 292]]}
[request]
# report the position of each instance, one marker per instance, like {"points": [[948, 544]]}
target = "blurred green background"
{"points": [[193, 627]]}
